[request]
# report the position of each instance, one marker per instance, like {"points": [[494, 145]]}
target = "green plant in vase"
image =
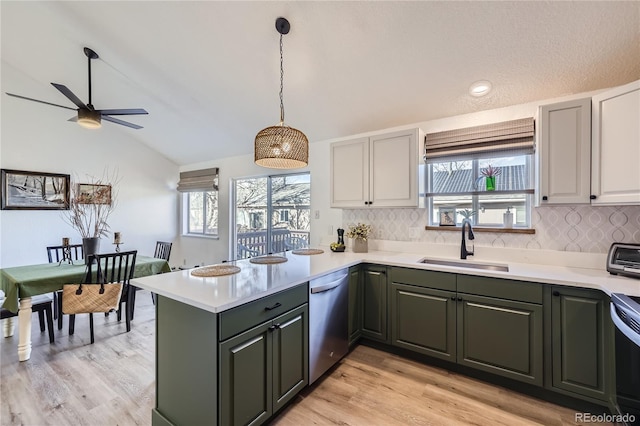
{"points": [[489, 174]]}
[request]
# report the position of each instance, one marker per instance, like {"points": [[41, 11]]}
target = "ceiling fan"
{"points": [[88, 116]]}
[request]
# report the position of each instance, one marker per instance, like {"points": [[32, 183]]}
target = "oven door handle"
{"points": [[624, 328]]}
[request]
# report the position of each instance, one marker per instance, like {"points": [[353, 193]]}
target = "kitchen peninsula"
{"points": [[217, 362]]}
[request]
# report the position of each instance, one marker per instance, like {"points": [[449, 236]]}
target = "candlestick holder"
{"points": [[66, 255], [118, 246]]}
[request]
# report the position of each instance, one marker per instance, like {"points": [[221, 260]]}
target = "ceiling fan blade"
{"points": [[69, 94], [36, 100], [118, 121], [130, 111]]}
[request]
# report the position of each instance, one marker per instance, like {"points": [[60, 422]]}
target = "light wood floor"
{"points": [[112, 383]]}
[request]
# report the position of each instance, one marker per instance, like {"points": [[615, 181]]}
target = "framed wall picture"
{"points": [[22, 190], [447, 217], [89, 193]]}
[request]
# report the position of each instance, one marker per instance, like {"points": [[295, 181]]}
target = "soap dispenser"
{"points": [[507, 218]]}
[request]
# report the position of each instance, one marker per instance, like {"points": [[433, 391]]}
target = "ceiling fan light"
{"points": [[281, 147], [89, 119]]}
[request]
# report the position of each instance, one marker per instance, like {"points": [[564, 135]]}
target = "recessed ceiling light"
{"points": [[480, 88]]}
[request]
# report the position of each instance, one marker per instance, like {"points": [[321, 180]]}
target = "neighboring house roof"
{"points": [[512, 178]]}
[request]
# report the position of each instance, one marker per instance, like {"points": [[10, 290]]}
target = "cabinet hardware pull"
{"points": [[276, 325], [459, 299], [270, 308], [592, 197], [272, 327], [545, 198], [556, 293]]}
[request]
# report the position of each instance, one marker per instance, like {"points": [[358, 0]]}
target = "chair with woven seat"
{"points": [[42, 305], [111, 268], [56, 254]]}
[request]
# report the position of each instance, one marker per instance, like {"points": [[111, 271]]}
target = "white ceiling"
{"points": [[208, 72]]}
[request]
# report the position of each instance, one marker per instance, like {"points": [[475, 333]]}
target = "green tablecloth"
{"points": [[31, 280]]}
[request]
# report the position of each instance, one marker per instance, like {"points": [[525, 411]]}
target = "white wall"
{"points": [[37, 137], [198, 251]]}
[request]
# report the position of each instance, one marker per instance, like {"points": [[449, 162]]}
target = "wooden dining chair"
{"points": [[42, 305], [163, 251], [56, 254], [112, 268]]}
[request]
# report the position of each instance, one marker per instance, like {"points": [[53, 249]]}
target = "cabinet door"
{"points": [[423, 320], [394, 170], [578, 341], [615, 175], [501, 336], [374, 303], [350, 173], [355, 305], [245, 377], [290, 355], [565, 152]]}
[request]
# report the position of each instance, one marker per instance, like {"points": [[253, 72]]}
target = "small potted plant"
{"points": [[489, 174], [359, 233]]}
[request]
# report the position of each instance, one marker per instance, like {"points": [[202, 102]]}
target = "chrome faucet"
{"points": [[463, 248]]}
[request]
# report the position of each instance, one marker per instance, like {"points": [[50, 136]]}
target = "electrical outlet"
{"points": [[317, 214]]}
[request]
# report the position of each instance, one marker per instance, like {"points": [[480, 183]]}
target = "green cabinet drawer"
{"points": [[500, 288], [430, 279], [243, 317]]}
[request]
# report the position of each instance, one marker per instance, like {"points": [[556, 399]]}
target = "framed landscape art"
{"points": [[23, 190], [89, 193]]}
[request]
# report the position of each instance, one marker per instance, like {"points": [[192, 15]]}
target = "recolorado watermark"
{"points": [[602, 418]]}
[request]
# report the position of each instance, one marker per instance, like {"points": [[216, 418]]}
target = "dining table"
{"points": [[20, 283]]}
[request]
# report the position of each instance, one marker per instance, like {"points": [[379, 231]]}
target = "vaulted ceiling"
{"points": [[208, 71]]}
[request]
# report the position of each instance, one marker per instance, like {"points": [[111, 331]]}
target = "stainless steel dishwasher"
{"points": [[328, 321]]}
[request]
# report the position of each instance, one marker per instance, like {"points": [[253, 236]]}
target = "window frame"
{"points": [[186, 215], [434, 220]]}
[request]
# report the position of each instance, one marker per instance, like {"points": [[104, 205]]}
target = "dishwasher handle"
{"points": [[326, 287]]}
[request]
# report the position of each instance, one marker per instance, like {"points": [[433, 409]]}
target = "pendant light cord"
{"points": [[281, 83]]}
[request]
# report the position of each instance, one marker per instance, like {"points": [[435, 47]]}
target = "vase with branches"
{"points": [[489, 174], [89, 213]]}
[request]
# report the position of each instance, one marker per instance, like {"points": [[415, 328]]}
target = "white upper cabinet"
{"points": [[376, 171], [615, 168], [565, 152]]}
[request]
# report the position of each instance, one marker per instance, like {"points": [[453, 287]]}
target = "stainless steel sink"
{"points": [[465, 264]]}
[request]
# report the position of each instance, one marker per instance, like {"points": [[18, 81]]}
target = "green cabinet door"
{"points": [[245, 377], [355, 305], [578, 339], [374, 303], [423, 320], [501, 336], [290, 355]]}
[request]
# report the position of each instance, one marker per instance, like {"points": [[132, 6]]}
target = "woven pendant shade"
{"points": [[281, 147]]}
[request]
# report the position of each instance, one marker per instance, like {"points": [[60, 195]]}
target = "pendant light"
{"points": [[281, 146]]}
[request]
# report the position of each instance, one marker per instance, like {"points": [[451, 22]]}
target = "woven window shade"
{"points": [[199, 180], [515, 136]]}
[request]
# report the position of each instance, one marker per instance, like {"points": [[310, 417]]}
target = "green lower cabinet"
{"points": [[263, 368], [501, 336], [355, 305], [424, 320], [374, 300], [579, 336]]}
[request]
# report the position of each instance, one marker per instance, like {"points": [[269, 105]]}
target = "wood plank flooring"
{"points": [[111, 382]]}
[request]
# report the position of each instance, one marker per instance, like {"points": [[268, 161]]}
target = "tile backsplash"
{"points": [[567, 228]]}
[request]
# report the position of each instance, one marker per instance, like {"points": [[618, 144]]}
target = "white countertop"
{"points": [[254, 281]]}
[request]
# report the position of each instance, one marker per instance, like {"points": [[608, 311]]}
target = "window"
{"points": [[200, 202], [458, 185], [271, 215], [460, 165]]}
